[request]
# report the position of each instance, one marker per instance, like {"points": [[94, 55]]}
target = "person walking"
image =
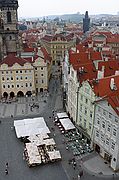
{"points": [[6, 171], [6, 165]]}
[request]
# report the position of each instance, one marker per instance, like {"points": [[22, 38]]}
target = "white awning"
{"points": [[67, 124], [29, 127], [53, 155], [62, 115]]}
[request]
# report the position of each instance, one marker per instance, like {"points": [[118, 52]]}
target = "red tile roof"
{"points": [[102, 89], [109, 67], [10, 60], [46, 55]]}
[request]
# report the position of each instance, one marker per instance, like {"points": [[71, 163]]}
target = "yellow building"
{"points": [[27, 76], [57, 44], [17, 77]]}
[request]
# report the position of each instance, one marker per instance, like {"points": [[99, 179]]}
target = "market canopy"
{"points": [[67, 124], [62, 115], [28, 127]]}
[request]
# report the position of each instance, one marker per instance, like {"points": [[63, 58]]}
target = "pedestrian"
{"points": [[6, 165], [79, 177], [6, 171]]}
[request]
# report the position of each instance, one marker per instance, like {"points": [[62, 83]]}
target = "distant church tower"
{"points": [[8, 27], [86, 22]]}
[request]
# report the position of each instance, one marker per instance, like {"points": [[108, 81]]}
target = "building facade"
{"points": [[8, 27]]}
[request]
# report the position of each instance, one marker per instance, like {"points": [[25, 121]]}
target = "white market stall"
{"points": [[54, 155], [28, 127], [62, 115], [67, 124]]}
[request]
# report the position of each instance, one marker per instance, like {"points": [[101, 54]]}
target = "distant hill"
{"points": [[73, 17]]}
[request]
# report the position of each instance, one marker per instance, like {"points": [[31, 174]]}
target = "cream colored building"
{"points": [[57, 44], [21, 77], [41, 73], [17, 77]]}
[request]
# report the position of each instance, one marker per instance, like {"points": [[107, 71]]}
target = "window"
{"points": [[6, 72], [21, 78], [80, 118], [36, 75], [114, 132], [8, 86], [3, 86], [7, 79], [41, 74], [30, 84], [41, 68], [16, 71], [110, 115], [97, 134], [2, 72], [84, 123], [26, 85], [11, 78], [98, 121], [20, 71], [9, 19], [112, 145], [17, 78], [86, 100], [107, 141], [35, 68], [91, 114], [42, 81], [116, 120], [12, 86], [10, 37], [29, 70], [108, 128], [18, 85], [25, 71], [81, 107], [85, 110], [36, 81], [102, 137], [104, 112], [3, 78], [103, 124], [90, 126], [26, 77]]}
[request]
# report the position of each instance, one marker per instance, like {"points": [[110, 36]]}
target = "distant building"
{"points": [[8, 27], [86, 23]]}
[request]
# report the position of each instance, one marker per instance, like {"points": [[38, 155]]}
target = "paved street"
{"points": [[12, 149]]}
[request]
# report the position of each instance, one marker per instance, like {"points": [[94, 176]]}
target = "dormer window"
{"points": [[9, 19]]}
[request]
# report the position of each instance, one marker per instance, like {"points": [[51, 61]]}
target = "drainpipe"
{"points": [[77, 103]]}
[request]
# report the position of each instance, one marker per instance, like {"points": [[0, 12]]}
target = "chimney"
{"points": [[101, 73]]}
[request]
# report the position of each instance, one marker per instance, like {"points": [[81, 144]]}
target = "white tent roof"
{"points": [[28, 127], [67, 124], [62, 115], [54, 155]]}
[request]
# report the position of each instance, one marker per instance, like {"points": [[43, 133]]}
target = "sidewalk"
{"points": [[98, 166]]}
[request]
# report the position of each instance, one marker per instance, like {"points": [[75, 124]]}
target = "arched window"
{"points": [[9, 20]]}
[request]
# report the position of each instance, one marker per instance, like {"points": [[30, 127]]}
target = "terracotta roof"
{"points": [[102, 89], [10, 60], [45, 53], [109, 67], [81, 60]]}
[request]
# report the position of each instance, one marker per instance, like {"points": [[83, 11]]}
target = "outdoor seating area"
{"points": [[78, 145], [39, 147]]}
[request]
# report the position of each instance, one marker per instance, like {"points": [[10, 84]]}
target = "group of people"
{"points": [[6, 169]]}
